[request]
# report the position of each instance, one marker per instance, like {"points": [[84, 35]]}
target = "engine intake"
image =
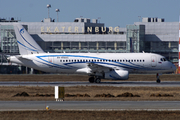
{"points": [[117, 75]]}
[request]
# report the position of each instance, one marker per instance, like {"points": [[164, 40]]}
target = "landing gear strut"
{"points": [[158, 79], [94, 79]]}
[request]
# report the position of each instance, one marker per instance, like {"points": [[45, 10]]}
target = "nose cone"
{"points": [[173, 67]]}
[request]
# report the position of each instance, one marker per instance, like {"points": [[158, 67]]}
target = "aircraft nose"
{"points": [[173, 67]]}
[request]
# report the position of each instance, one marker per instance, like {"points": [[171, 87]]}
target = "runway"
{"points": [[115, 84], [91, 105]]}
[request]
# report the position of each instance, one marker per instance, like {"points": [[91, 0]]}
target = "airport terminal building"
{"points": [[83, 35]]}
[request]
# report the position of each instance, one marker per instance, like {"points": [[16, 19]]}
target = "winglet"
{"points": [[27, 45]]}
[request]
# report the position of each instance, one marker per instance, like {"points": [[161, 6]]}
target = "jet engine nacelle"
{"points": [[117, 75]]}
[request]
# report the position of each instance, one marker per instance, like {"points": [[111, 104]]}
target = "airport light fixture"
{"points": [[48, 6], [57, 10]]}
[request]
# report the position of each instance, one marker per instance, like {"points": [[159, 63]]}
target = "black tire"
{"points": [[91, 79], [97, 80], [158, 80]]}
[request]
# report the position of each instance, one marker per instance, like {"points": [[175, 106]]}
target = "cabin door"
{"points": [[153, 61]]}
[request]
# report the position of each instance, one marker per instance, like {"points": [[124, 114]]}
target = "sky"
{"points": [[111, 12]]}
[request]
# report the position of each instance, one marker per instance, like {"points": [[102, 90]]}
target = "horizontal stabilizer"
{"points": [[22, 57]]}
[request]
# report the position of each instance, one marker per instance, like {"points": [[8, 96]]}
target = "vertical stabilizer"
{"points": [[27, 45]]}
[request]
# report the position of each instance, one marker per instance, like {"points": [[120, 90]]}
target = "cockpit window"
{"points": [[163, 59]]}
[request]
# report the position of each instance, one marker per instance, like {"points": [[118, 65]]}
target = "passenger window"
{"points": [[137, 60]]}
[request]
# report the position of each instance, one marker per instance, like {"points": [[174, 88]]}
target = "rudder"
{"points": [[27, 45]]}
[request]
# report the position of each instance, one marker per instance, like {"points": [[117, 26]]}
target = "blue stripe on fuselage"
{"points": [[123, 65]]}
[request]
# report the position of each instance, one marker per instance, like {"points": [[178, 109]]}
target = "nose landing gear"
{"points": [[158, 79]]}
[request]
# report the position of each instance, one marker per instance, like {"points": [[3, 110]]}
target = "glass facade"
{"points": [[85, 47], [8, 39], [169, 49], [135, 38]]}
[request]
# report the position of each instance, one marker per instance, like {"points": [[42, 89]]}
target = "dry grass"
{"points": [[7, 93], [90, 115]]}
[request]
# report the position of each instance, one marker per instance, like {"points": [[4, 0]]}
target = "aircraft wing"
{"points": [[100, 68]]}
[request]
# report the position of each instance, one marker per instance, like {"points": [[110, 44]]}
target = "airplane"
{"points": [[114, 66]]}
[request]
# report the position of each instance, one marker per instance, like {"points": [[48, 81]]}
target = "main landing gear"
{"points": [[158, 79], [94, 79]]}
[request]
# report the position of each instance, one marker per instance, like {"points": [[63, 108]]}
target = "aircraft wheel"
{"points": [[97, 80], [91, 79], [157, 76], [158, 80]]}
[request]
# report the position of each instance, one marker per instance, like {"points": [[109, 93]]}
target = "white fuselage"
{"points": [[78, 62]]}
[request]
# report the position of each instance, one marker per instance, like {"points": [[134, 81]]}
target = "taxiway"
{"points": [[91, 105], [116, 84]]}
